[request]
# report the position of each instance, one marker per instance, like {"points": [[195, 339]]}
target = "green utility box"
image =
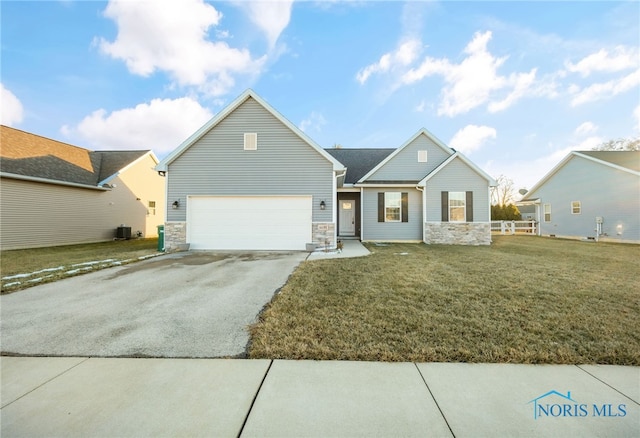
{"points": [[161, 238]]}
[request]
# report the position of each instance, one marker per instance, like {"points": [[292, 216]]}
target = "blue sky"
{"points": [[513, 85]]}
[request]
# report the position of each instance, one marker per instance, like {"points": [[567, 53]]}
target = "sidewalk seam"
{"points": [[255, 397], [44, 383], [434, 400], [602, 381]]}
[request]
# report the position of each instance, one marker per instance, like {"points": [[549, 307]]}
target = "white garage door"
{"points": [[249, 222]]}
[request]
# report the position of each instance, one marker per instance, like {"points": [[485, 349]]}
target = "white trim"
{"points": [[389, 157], [413, 185], [215, 120], [466, 161], [51, 181]]}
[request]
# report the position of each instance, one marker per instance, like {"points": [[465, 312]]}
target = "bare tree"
{"points": [[620, 144], [502, 193]]}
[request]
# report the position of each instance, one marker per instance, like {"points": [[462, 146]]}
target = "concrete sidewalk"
{"points": [[230, 398], [351, 248]]}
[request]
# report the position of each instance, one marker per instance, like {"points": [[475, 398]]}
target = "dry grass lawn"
{"points": [[22, 268], [522, 300]]}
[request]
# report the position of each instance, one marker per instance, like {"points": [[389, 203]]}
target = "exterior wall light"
{"points": [[323, 205], [175, 205]]}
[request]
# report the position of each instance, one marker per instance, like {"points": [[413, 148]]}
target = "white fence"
{"points": [[514, 227]]}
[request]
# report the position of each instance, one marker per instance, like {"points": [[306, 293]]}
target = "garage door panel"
{"points": [[249, 223]]}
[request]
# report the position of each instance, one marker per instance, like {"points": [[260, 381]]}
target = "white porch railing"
{"points": [[513, 227]]}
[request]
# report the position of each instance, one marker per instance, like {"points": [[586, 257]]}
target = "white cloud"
{"points": [[622, 58], [272, 17], [586, 128], [404, 55], [11, 110], [420, 107], [636, 116], [160, 125], [172, 36], [472, 137], [605, 90], [472, 82], [521, 83], [315, 121]]}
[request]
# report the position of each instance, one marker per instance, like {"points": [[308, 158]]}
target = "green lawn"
{"points": [[23, 268], [522, 300]]}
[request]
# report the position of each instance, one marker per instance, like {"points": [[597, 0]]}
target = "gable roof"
{"points": [[465, 160], [215, 120], [626, 161], [29, 156], [422, 131], [359, 161]]}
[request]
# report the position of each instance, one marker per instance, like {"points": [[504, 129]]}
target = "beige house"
{"points": [[53, 193]]}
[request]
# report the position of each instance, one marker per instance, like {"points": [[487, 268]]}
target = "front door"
{"points": [[347, 217]]}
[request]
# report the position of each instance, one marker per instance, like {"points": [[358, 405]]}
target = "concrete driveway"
{"points": [[192, 304]]}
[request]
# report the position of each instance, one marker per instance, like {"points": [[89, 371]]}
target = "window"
{"points": [[422, 156], [576, 207], [457, 206], [547, 212], [392, 207], [152, 208], [250, 141]]}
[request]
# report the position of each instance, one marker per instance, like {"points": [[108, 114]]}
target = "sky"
{"points": [[513, 85]]}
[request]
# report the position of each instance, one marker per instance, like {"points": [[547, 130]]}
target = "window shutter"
{"points": [[445, 206], [380, 206], [469, 206], [405, 207]]}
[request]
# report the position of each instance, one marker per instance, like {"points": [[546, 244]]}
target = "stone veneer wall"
{"points": [[323, 234], [175, 233], [452, 233]]}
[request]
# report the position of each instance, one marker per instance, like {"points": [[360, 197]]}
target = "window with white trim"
{"points": [[250, 141], [547, 212], [152, 208], [422, 156], [457, 207], [392, 207], [576, 207]]}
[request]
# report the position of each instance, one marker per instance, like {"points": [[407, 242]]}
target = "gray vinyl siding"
{"points": [[405, 166], [283, 164], [389, 231], [457, 177], [602, 191]]}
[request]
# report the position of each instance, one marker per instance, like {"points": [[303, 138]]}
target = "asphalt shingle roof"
{"points": [[626, 159], [359, 161], [27, 154]]}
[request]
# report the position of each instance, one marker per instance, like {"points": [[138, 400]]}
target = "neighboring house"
{"points": [[590, 195], [250, 179], [53, 193]]}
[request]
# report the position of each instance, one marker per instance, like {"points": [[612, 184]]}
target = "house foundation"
{"points": [[451, 233]]}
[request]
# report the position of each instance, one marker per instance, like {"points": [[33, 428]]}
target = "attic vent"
{"points": [[422, 156], [250, 141]]}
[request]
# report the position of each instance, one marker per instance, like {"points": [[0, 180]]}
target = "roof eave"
{"points": [[424, 131], [51, 181], [249, 93]]}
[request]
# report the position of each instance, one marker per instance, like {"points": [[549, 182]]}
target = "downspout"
{"points": [[424, 209], [335, 207]]}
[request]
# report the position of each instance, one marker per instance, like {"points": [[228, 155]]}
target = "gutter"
{"points": [[52, 181]]}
